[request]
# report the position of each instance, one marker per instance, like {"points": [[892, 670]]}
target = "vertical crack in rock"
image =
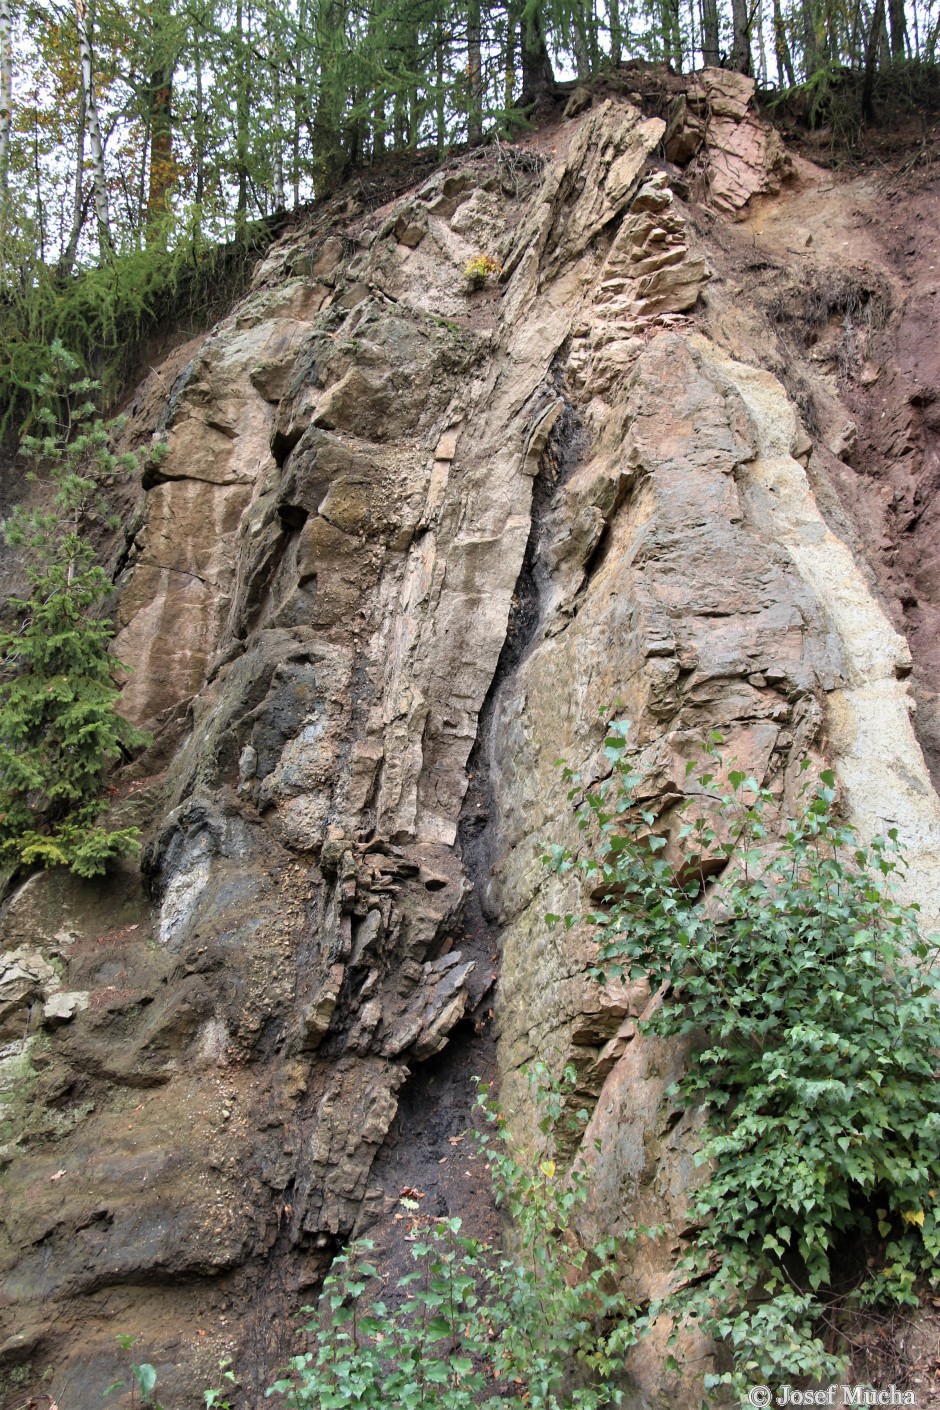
{"points": [[427, 1148]]}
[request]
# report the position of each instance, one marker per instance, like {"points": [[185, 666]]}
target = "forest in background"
{"points": [[138, 139]]}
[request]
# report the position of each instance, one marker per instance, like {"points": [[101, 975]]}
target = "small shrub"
{"points": [[143, 1379], [472, 1326], [811, 1002], [480, 269]]}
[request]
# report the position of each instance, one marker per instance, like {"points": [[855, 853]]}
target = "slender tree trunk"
{"points": [[871, 60], [141, 203], [6, 92], [415, 105], [474, 75], [199, 128], [672, 33], [710, 41], [594, 41], [741, 37], [161, 146], [509, 71], [295, 130], [616, 32], [400, 120], [79, 203], [782, 49], [810, 40], [353, 132], [328, 111], [241, 122], [78, 192], [440, 59], [296, 65], [761, 47], [98, 174], [854, 42], [581, 56], [898, 26], [538, 78], [378, 126], [279, 202], [37, 177]]}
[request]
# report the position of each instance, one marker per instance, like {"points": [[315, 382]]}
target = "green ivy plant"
{"points": [[471, 1325], [810, 1001]]}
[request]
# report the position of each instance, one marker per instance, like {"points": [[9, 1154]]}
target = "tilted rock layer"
{"points": [[400, 519]]}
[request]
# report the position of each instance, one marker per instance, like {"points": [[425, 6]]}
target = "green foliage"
{"points": [[143, 1381], [480, 269], [103, 314], [73, 451], [810, 1002], [216, 1398], [59, 729], [472, 1326]]}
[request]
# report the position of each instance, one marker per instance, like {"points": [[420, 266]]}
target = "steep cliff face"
{"points": [[409, 538]]}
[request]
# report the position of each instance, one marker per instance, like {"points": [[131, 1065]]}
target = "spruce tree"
{"points": [[59, 729]]}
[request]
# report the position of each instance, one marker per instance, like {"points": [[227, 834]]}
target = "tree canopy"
{"points": [[118, 118]]}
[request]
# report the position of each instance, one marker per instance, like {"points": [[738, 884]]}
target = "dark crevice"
{"points": [[476, 834], [428, 1148], [283, 442], [293, 516], [595, 560]]}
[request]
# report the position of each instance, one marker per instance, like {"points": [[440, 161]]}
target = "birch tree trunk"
{"points": [[93, 127], [6, 91]]}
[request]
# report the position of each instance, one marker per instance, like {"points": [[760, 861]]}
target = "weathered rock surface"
{"points": [[400, 520], [734, 154]]}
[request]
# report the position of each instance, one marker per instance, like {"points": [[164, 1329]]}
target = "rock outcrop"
{"points": [[408, 537]]}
